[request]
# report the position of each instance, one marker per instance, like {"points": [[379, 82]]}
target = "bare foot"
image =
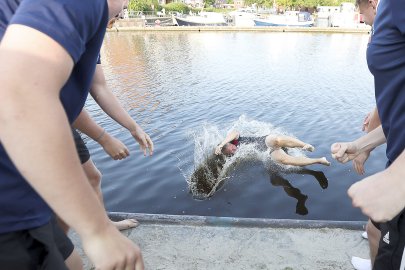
{"points": [[126, 224], [324, 161], [308, 147]]}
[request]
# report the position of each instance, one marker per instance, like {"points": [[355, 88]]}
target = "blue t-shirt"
{"points": [[79, 27], [386, 61]]}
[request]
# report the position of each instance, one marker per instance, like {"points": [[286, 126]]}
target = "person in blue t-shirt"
{"points": [[382, 196], [48, 55]]}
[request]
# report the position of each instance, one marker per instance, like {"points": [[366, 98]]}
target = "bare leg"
{"points": [[74, 261], [287, 141], [280, 156], [374, 236], [94, 177]]}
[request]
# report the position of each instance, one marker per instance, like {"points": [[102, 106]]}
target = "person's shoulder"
{"points": [[70, 23]]}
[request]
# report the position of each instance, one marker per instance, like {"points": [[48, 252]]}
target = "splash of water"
{"points": [[211, 171]]}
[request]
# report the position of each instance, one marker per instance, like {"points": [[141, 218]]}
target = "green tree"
{"points": [[143, 5], [179, 7], [208, 3]]}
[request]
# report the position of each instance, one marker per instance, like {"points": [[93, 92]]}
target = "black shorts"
{"points": [[46, 247], [392, 244], [81, 147], [376, 224]]}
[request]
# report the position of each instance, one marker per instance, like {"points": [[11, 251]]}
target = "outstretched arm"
{"points": [[110, 104], [371, 122], [344, 152], [382, 195], [112, 146], [47, 159], [230, 137]]}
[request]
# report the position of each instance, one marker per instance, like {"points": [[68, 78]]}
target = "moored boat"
{"points": [[291, 18], [203, 19]]}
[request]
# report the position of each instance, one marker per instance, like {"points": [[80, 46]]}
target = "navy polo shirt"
{"points": [[386, 61], [79, 27]]}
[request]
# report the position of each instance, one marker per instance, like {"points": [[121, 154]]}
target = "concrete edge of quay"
{"points": [[237, 222], [173, 242], [327, 30]]}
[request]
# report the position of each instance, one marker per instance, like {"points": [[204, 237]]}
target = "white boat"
{"points": [[202, 19], [290, 18], [243, 17]]}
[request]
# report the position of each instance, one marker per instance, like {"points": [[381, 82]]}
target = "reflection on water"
{"points": [[277, 180], [315, 86]]}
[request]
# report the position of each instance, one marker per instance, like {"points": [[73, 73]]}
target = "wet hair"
{"points": [[223, 148]]}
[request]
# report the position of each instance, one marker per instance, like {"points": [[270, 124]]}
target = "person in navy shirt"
{"points": [[48, 54], [382, 196]]}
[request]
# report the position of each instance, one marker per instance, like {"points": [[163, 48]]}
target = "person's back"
{"points": [[28, 209], [48, 54]]}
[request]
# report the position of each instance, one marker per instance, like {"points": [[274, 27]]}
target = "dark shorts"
{"points": [[376, 224], [391, 245], [81, 147], [46, 247]]}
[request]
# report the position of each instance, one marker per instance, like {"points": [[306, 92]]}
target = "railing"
{"points": [[145, 14]]}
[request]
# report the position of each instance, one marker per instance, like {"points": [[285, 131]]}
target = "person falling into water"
{"points": [[278, 145]]}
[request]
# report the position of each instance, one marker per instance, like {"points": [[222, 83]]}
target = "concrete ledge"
{"points": [[239, 29], [237, 222], [199, 243]]}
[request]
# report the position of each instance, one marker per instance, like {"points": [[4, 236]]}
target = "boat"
{"points": [[202, 19], [243, 17], [290, 18]]}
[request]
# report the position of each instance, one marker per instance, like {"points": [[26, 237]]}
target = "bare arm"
{"points": [[47, 158], [371, 122], [375, 194], [229, 137], [374, 121], [110, 104], [344, 152], [112, 146]]}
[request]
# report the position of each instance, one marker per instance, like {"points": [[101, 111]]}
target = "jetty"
{"points": [[172, 242]]}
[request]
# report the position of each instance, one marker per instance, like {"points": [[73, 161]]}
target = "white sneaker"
{"points": [[364, 235], [361, 264]]}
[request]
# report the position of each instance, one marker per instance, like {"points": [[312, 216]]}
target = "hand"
{"points": [[218, 150], [143, 139], [380, 196], [111, 250], [358, 162], [113, 147], [344, 152], [366, 122]]}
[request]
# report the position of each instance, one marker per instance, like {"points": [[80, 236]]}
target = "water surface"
{"points": [[188, 89]]}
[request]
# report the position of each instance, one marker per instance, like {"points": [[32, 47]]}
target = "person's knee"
{"points": [[276, 156], [273, 141], [95, 178]]}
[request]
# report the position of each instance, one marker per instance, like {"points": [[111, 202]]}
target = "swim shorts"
{"points": [[81, 147], [45, 247]]}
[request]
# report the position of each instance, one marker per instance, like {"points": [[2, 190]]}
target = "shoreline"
{"points": [[329, 30]]}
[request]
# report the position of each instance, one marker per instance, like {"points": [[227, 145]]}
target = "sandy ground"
{"points": [[193, 243]]}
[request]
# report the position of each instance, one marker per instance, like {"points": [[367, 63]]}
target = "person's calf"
{"points": [[374, 235], [74, 261]]}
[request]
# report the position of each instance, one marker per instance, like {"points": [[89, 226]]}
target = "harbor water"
{"points": [[188, 89]]}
